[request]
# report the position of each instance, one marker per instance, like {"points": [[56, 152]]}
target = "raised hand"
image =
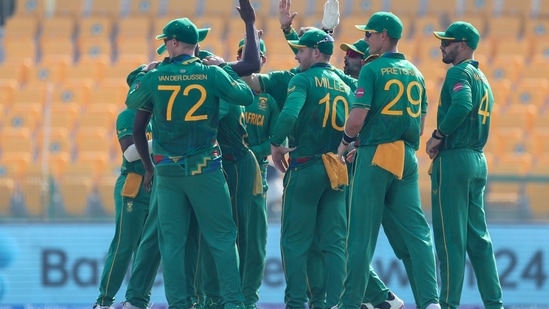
{"points": [[330, 19], [246, 11], [284, 16]]}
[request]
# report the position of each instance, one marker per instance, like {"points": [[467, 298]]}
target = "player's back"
{"points": [[322, 119], [396, 90]]}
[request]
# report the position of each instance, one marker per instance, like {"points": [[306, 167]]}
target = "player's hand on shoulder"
{"points": [[151, 66], [246, 11], [213, 60]]}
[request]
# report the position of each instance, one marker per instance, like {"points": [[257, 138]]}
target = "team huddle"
{"points": [[196, 136]]}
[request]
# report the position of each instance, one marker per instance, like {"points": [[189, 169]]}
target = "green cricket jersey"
{"points": [[185, 93], [321, 101], [260, 121], [232, 135], [396, 115], [465, 107], [124, 127]]}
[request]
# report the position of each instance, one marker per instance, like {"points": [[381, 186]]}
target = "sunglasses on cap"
{"points": [[352, 54], [368, 34], [446, 43]]}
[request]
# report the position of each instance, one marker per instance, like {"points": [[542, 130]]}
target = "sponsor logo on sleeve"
{"points": [[359, 92], [457, 87]]}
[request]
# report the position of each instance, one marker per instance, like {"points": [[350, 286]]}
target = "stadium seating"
{"points": [[7, 192], [34, 8]]}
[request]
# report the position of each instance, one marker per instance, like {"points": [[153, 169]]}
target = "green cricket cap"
{"points": [[362, 47], [262, 47], [383, 21], [460, 31], [183, 30], [315, 38]]}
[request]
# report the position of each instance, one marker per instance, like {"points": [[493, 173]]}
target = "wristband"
{"points": [[345, 143], [347, 139], [287, 29], [435, 136]]}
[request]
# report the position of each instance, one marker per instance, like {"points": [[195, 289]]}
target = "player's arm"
{"points": [[250, 61], [229, 87], [140, 123], [138, 93], [297, 94], [462, 102]]}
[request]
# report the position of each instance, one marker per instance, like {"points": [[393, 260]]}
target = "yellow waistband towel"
{"points": [[390, 157], [258, 181], [337, 172]]}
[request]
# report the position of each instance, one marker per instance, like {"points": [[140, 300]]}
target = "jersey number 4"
{"points": [[190, 115]]}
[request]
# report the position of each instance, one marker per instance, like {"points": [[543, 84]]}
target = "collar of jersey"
{"points": [[184, 59], [393, 55]]}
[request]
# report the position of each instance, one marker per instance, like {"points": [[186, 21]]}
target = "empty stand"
{"points": [[501, 89], [7, 191], [95, 48], [514, 8], [132, 48], [34, 8], [538, 143], [265, 8], [17, 141], [442, 8], [536, 68], [33, 190], [407, 7], [17, 52], [58, 26], [69, 8], [504, 26], [110, 8], [507, 195], [475, 7], [363, 8], [507, 141], [75, 193], [174, 8], [7, 89], [424, 27], [135, 27], [512, 46], [506, 66], [56, 48], [13, 72], [536, 28], [531, 91], [95, 27], [50, 70], [105, 189], [142, 7], [93, 143], [24, 116], [21, 27], [514, 115]]}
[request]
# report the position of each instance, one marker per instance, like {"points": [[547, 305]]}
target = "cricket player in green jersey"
{"points": [[459, 171], [131, 210], [183, 96], [313, 115], [387, 115]]}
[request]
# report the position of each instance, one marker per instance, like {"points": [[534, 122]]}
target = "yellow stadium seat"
{"points": [[540, 9], [15, 71], [87, 70], [537, 142], [221, 8], [219, 48], [92, 140], [105, 189], [143, 7], [501, 88], [50, 70], [218, 25], [17, 141], [109, 92], [531, 91], [7, 191], [504, 26], [542, 119], [100, 116], [505, 67], [408, 48], [58, 27], [58, 141], [95, 48], [363, 8], [69, 8], [174, 8], [537, 192], [536, 68], [515, 116], [441, 8], [95, 27], [507, 194], [7, 89], [16, 52], [407, 7], [515, 8], [508, 140], [21, 27], [429, 54], [34, 195], [540, 48], [264, 8], [536, 28], [512, 46], [75, 192], [24, 116], [136, 27], [110, 8], [424, 26], [71, 93], [29, 8], [131, 47], [56, 48], [14, 165]]}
